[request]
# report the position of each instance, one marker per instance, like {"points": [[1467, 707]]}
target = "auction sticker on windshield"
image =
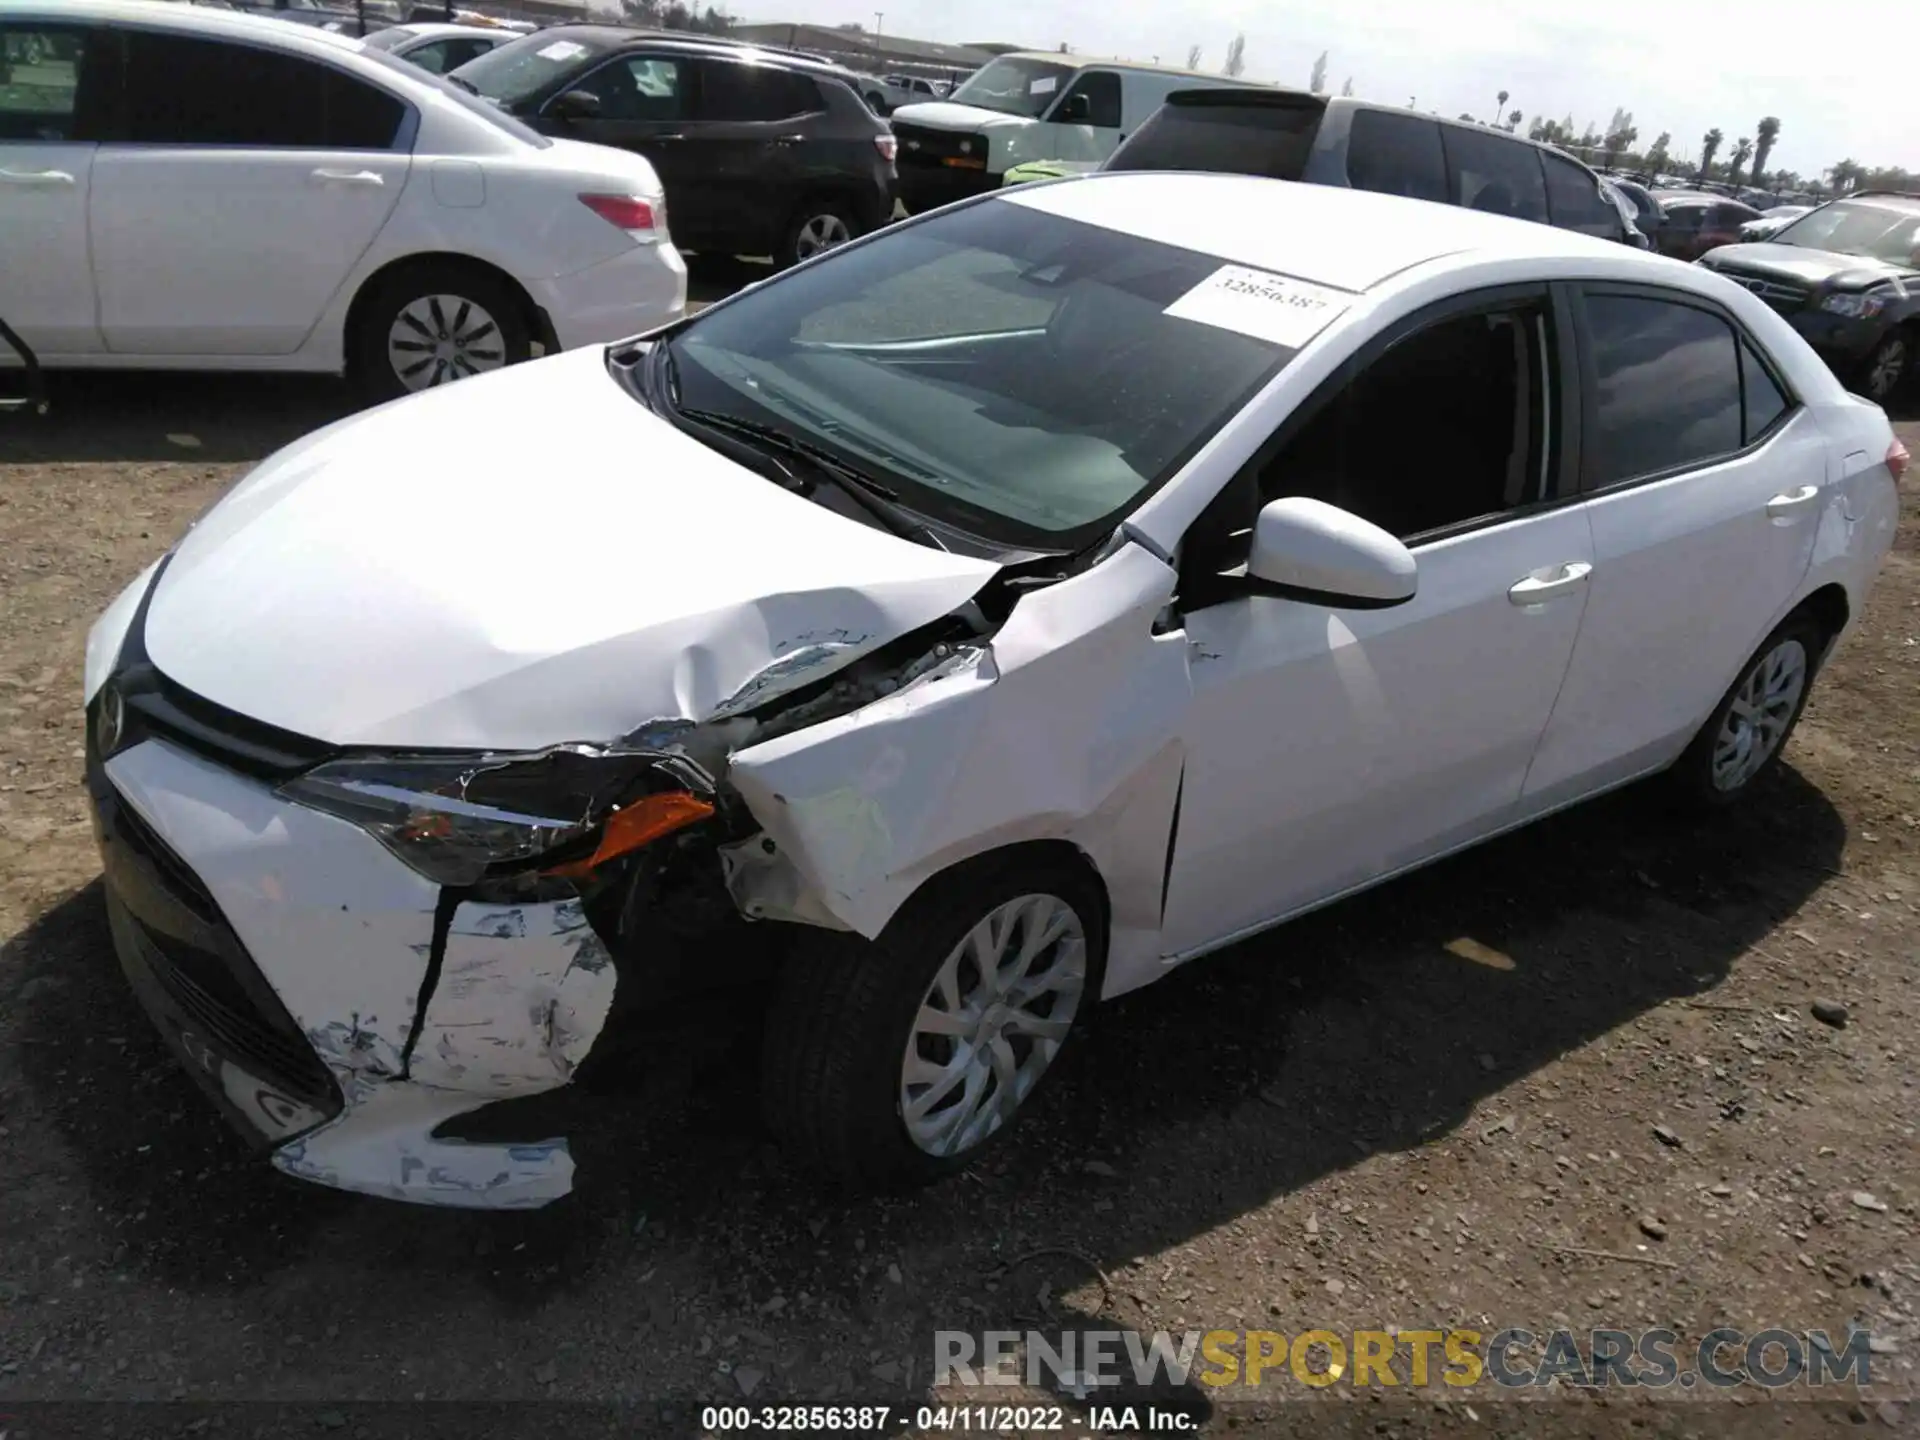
{"points": [[1261, 304], [562, 50]]}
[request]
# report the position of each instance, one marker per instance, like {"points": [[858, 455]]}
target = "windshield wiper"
{"points": [[466, 85], [877, 498]]}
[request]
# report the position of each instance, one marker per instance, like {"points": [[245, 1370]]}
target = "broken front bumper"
{"points": [[333, 1004]]}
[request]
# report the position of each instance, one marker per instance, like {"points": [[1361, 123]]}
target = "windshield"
{"points": [[466, 100], [1858, 227], [1015, 87], [1014, 374], [517, 71]]}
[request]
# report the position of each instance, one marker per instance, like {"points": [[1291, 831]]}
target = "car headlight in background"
{"points": [[1855, 307], [461, 819]]}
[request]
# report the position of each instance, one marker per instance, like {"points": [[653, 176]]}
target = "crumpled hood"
{"points": [[519, 560], [1809, 267]]}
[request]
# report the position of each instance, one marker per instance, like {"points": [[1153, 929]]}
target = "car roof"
{"points": [[1078, 62], [199, 19], [615, 36], [438, 29], [1349, 239]]}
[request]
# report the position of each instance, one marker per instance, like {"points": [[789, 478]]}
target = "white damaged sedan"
{"points": [[995, 612]]}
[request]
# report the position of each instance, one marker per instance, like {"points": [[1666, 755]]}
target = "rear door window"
{"points": [[1667, 382], [1270, 140], [1396, 154], [1491, 173], [184, 90], [1574, 200], [730, 91]]}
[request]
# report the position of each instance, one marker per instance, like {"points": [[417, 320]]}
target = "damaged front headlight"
{"points": [[461, 819]]}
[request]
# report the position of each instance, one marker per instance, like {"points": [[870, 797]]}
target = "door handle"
{"points": [[1561, 580], [1785, 507], [43, 179], [348, 177]]}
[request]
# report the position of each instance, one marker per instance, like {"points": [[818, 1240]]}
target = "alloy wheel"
{"points": [[439, 338], [1889, 364], [995, 1016], [1761, 710], [821, 232]]}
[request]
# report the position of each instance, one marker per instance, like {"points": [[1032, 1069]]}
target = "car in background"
{"points": [[762, 152], [1847, 277], [919, 87], [1772, 222], [1082, 612], [1697, 222], [196, 189], [439, 48], [1293, 135], [1648, 217], [1048, 170], [1023, 107], [1618, 199]]}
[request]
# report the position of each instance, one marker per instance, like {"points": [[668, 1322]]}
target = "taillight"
{"points": [[1897, 458], [887, 146], [627, 212]]}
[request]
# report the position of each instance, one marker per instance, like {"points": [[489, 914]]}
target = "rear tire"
{"points": [[428, 324], [1743, 738], [891, 1063], [820, 224]]}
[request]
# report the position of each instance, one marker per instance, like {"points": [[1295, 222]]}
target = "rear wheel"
{"points": [[1746, 733], [431, 324], [894, 1062], [819, 225], [1887, 366]]}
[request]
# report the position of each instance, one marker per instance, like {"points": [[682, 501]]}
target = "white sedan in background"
{"points": [[192, 189], [1004, 609], [439, 47]]}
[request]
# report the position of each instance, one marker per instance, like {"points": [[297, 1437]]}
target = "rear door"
{"points": [[1706, 482], [245, 186], [51, 82], [760, 146]]}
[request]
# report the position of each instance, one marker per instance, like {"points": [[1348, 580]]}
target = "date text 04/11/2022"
{"points": [[936, 1419]]}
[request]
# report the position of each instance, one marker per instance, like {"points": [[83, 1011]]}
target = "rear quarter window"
{"points": [[1574, 201], [1274, 141], [1491, 173]]}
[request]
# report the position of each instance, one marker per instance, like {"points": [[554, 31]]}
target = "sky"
{"points": [[1683, 66]]}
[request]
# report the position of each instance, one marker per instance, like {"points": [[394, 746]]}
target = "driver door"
{"points": [[1327, 746]]}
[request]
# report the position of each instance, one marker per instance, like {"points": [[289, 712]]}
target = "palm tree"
{"points": [[1514, 117], [1709, 147], [1500, 107], [1742, 149], [1845, 174], [1769, 131]]}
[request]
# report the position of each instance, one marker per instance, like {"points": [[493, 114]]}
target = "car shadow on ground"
{"points": [[1243, 1077]]}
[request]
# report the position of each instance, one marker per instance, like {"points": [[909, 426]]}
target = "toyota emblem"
{"points": [[111, 721]]}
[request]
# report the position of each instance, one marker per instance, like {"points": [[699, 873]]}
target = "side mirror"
{"points": [[1075, 109], [1310, 550], [575, 105]]}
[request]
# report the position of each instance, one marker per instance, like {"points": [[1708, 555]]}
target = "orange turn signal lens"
{"points": [[640, 823]]}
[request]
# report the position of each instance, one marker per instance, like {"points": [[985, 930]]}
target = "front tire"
{"points": [[1887, 366], [430, 324], [892, 1063], [1744, 736]]}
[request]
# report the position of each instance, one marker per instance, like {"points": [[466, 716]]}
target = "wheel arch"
{"points": [[536, 318]]}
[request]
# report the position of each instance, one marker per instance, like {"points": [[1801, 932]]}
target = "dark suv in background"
{"points": [[761, 152], [1847, 277], [1292, 135]]}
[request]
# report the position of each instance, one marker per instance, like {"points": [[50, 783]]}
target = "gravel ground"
{"points": [[1615, 1107]]}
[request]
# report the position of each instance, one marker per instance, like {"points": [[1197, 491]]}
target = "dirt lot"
{"points": [[1341, 1125]]}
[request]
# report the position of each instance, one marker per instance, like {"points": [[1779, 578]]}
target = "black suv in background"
{"points": [[1847, 277], [761, 152], [1291, 135]]}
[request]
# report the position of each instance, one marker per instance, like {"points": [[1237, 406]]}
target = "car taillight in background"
{"points": [[1897, 458], [887, 146], [644, 220]]}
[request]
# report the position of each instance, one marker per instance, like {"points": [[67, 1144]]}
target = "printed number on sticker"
{"points": [[1263, 305]]}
